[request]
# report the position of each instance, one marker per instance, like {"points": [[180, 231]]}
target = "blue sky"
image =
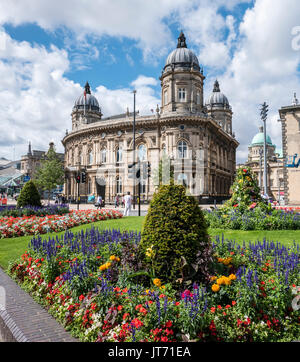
{"points": [[48, 50]]}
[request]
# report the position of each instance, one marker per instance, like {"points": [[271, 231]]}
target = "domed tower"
{"points": [[182, 81], [219, 108], [257, 146], [86, 109]]}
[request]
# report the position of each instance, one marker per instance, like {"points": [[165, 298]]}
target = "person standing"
{"points": [[116, 201], [127, 202], [99, 202]]}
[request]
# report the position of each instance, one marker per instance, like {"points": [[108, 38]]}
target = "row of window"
{"points": [[181, 96], [182, 149]]}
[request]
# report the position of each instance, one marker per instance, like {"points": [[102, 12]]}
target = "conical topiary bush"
{"points": [[29, 195], [245, 190], [175, 231]]}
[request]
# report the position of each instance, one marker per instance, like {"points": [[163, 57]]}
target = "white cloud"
{"points": [[37, 99], [263, 68]]}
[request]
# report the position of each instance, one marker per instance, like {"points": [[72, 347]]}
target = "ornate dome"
{"points": [[87, 100], [182, 57], [258, 139], [217, 98]]}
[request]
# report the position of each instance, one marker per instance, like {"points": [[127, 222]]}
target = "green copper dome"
{"points": [[258, 139]]}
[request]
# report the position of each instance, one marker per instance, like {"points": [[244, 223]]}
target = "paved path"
{"points": [[23, 320]]}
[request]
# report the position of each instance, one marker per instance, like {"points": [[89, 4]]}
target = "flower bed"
{"points": [[253, 219], [14, 211], [33, 225], [93, 284]]}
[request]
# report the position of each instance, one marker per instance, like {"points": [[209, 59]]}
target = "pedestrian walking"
{"points": [[127, 203]]}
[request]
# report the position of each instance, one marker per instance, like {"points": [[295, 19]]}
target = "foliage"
{"points": [[247, 210], [29, 195], [176, 231], [249, 298], [34, 210], [245, 191], [50, 173], [32, 225], [253, 219]]}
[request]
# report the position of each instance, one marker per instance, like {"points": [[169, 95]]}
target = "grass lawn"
{"points": [[12, 248]]}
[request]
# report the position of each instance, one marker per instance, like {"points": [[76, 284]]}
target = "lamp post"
{"points": [[263, 113], [134, 168], [260, 167]]}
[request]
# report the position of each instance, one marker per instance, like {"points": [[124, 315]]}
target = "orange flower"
{"points": [[215, 288]]}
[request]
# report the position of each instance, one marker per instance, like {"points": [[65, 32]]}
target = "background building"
{"points": [[290, 123], [32, 160], [183, 127], [274, 165]]}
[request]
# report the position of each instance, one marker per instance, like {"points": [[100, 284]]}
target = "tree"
{"points": [[50, 173], [245, 191], [29, 195], [175, 231]]}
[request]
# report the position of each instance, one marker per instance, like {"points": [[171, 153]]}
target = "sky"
{"points": [[49, 49]]}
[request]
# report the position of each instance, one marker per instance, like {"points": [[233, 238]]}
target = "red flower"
{"points": [[233, 302], [81, 297], [169, 324]]}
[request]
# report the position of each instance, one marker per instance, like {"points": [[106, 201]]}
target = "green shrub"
{"points": [[29, 195], [176, 231]]}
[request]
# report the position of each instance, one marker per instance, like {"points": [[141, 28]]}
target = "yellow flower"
{"points": [[232, 277], [213, 278], [157, 282], [108, 265], [102, 267], [112, 257], [162, 287], [220, 281], [117, 258], [215, 288], [227, 281], [150, 252]]}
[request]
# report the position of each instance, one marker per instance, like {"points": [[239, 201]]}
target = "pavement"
{"points": [[23, 320]]}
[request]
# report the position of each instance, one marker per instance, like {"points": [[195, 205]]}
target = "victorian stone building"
{"points": [[196, 135], [31, 161], [290, 123], [275, 165]]}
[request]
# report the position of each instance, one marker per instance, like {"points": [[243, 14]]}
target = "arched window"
{"points": [[118, 185], [119, 154], [182, 149], [181, 94], [142, 153], [103, 155], [198, 98]]}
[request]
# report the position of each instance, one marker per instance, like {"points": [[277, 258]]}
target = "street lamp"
{"points": [[263, 114], [134, 93], [260, 166]]}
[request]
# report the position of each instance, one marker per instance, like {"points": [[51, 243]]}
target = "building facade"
{"points": [[275, 165], [185, 128], [290, 123], [32, 160]]}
